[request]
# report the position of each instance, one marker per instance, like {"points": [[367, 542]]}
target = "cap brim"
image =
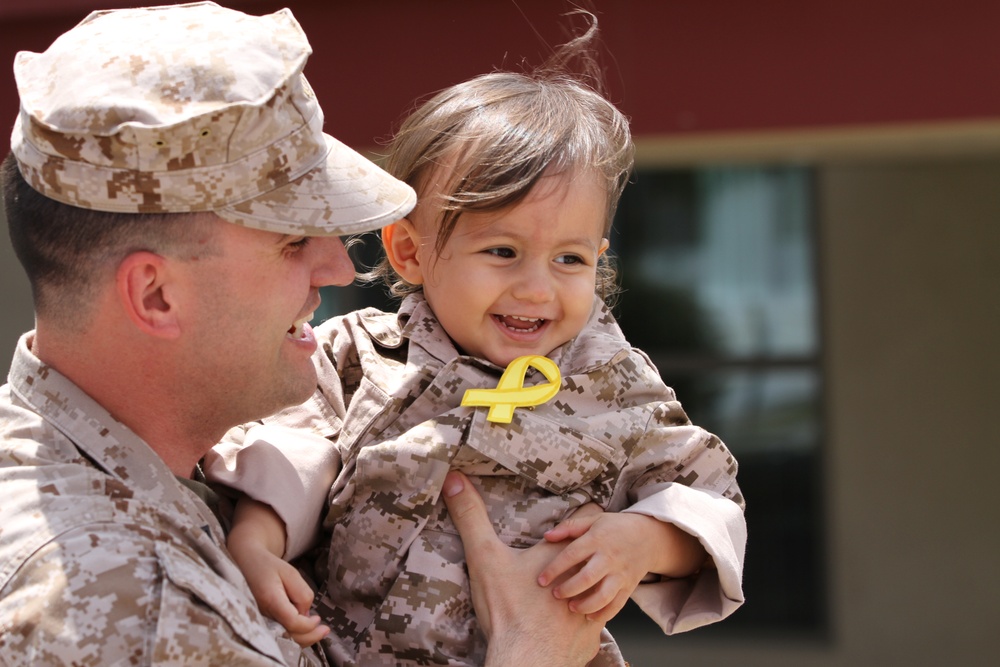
{"points": [[345, 194]]}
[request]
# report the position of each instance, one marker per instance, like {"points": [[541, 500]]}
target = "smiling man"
{"points": [[177, 207]]}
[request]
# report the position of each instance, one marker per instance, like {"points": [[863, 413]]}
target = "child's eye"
{"points": [[569, 259], [503, 253]]}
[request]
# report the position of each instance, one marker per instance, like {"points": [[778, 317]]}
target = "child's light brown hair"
{"points": [[499, 133]]}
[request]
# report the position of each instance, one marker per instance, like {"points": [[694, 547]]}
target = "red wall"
{"points": [[675, 66]]}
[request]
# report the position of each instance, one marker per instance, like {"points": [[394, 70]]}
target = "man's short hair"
{"points": [[65, 250]]}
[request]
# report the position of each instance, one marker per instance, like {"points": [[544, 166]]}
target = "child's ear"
{"points": [[401, 243], [605, 244], [146, 294]]}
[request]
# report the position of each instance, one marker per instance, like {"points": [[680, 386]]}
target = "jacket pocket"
{"points": [[548, 453], [226, 625]]}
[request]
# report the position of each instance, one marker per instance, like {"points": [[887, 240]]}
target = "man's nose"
{"points": [[333, 264]]}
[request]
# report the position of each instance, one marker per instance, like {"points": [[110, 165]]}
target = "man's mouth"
{"points": [[297, 330], [520, 324]]}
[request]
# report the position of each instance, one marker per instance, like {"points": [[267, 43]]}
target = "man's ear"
{"points": [[401, 243], [146, 294]]}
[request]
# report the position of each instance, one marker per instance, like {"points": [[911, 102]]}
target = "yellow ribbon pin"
{"points": [[511, 392]]}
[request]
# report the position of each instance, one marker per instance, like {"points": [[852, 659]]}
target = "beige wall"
{"points": [[16, 315], [910, 259]]}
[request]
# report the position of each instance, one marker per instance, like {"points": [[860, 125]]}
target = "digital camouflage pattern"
{"points": [[105, 558], [393, 582], [193, 108]]}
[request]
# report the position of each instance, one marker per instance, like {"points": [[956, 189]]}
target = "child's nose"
{"points": [[535, 285]]}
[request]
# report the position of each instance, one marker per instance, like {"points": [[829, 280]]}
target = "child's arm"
{"points": [[257, 542], [288, 469], [613, 555], [683, 477]]}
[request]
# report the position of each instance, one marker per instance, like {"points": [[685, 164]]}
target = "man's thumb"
{"points": [[468, 511]]}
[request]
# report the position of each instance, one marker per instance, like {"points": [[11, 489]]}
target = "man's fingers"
{"points": [[483, 549], [468, 511]]}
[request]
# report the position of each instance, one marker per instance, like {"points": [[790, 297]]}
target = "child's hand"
{"points": [[614, 552], [255, 542], [283, 595]]}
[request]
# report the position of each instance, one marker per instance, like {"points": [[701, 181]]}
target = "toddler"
{"points": [[505, 256]]}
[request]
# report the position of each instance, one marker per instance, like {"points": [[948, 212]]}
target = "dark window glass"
{"points": [[720, 289]]}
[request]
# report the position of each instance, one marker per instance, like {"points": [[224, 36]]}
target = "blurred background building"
{"points": [[811, 255]]}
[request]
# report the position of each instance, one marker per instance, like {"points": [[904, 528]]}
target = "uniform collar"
{"points": [[106, 442]]}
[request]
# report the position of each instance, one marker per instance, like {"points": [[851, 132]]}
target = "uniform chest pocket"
{"points": [[370, 408], [185, 628], [552, 455]]}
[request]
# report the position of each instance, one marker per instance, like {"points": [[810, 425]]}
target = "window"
{"points": [[720, 289]]}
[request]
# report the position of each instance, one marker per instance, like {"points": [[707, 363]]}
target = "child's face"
{"points": [[521, 280]]}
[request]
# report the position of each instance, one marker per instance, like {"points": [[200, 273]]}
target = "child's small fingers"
{"points": [[299, 592], [566, 564], [589, 576], [590, 512], [559, 533], [303, 625], [309, 638], [293, 621], [274, 603], [610, 610], [593, 601], [576, 525]]}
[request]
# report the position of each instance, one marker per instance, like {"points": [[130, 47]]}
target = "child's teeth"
{"points": [[535, 322]]}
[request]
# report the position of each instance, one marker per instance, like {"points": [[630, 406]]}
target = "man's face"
{"points": [[250, 346]]}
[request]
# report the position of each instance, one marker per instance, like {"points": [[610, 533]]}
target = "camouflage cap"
{"points": [[193, 107]]}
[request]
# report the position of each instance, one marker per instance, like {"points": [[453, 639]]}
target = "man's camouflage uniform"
{"points": [[393, 584], [105, 558]]}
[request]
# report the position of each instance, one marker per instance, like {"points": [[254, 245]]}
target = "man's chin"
{"points": [[293, 392]]}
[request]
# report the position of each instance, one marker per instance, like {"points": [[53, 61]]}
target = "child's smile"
{"points": [[520, 325]]}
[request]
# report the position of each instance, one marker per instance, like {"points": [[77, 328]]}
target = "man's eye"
{"points": [[505, 253], [298, 244]]}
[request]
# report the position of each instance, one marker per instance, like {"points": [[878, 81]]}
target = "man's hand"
{"points": [[524, 623]]}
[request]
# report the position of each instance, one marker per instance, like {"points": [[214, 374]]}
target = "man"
{"points": [[177, 207]]}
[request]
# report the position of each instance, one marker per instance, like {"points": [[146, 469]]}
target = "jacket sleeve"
{"points": [[681, 474], [714, 592], [289, 469]]}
